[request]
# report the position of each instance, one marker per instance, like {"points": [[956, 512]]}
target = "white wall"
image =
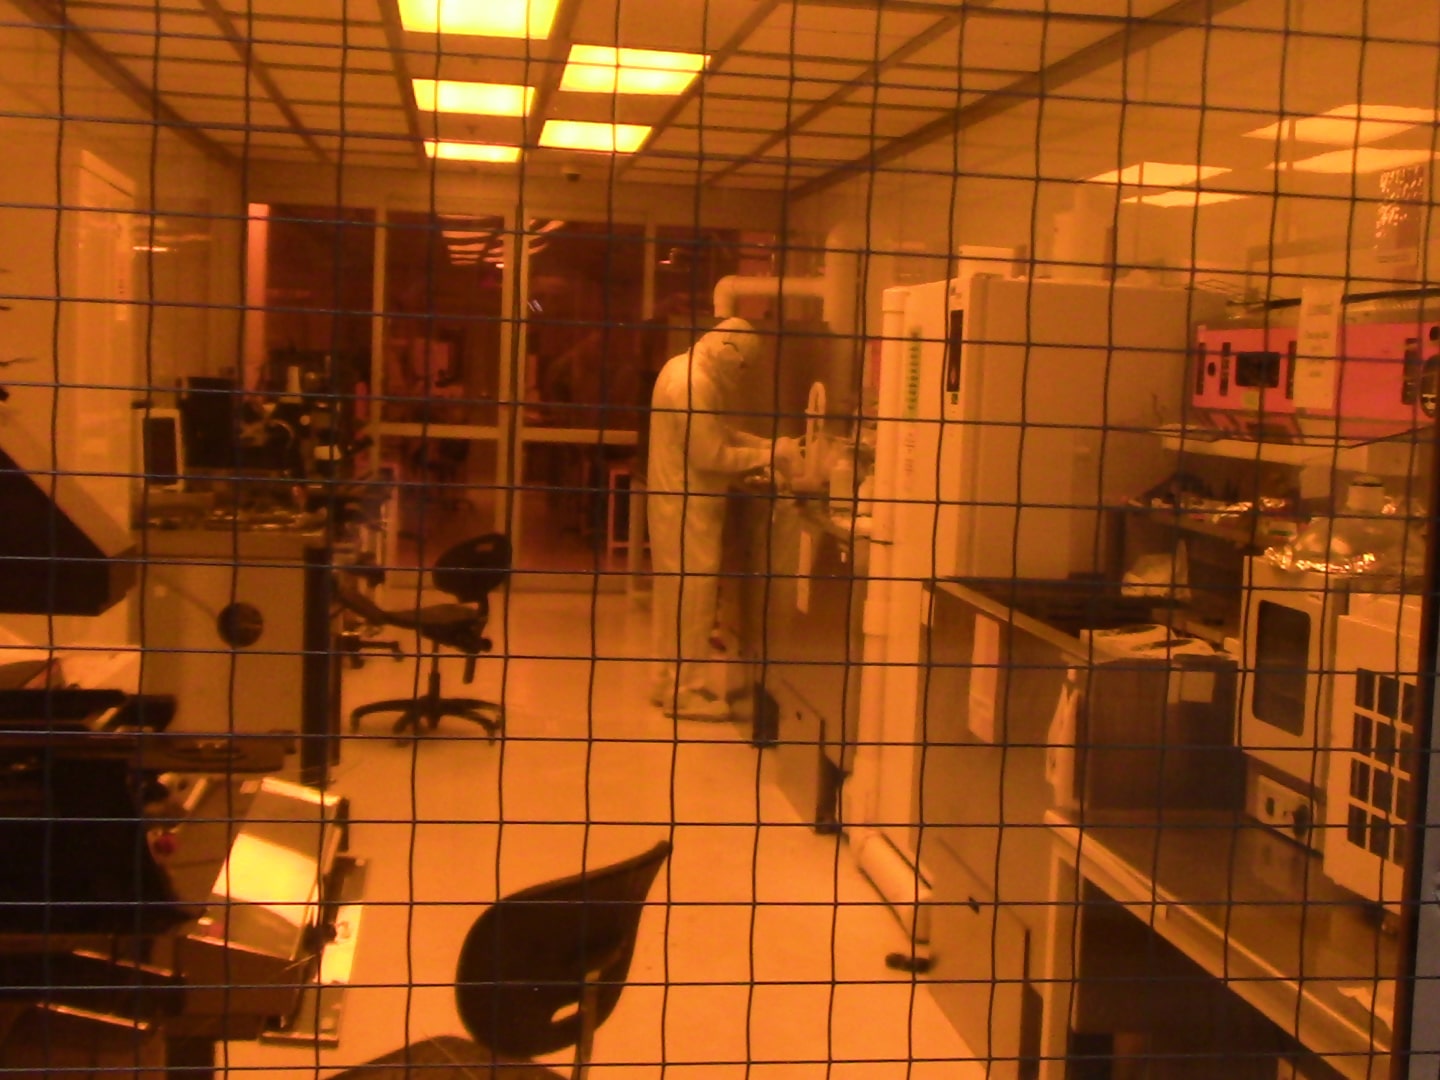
{"points": [[56, 113]]}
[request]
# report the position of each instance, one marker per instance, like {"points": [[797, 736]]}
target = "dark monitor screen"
{"points": [[161, 445], [208, 409]]}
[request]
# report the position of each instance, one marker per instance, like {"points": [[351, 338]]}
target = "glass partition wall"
{"points": [[504, 375], [584, 399], [501, 374], [440, 362]]}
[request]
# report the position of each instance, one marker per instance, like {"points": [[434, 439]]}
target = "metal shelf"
{"points": [[1389, 456]]}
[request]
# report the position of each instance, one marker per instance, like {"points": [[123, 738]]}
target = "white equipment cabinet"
{"points": [[1020, 408]]}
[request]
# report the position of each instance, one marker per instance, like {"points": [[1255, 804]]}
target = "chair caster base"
{"points": [[407, 726]]}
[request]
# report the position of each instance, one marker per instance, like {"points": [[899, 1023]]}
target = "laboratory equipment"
{"points": [[1011, 412], [1369, 806]]}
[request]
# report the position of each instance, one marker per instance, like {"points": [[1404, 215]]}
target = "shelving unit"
{"points": [[1241, 531], [1387, 456]]}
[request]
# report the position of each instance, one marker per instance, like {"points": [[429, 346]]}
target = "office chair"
{"points": [[539, 971], [357, 635], [467, 571]]}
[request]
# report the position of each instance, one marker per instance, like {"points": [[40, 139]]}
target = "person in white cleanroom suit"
{"points": [[695, 454]]}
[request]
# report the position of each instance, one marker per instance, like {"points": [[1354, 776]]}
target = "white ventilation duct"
{"points": [[1083, 234], [835, 287], [730, 289]]}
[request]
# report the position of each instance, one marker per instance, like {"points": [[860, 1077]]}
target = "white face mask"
{"points": [[737, 363]]}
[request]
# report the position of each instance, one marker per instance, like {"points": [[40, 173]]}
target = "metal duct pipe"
{"points": [[835, 287], [730, 289]]}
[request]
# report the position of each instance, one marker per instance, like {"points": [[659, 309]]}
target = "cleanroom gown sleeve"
{"points": [[754, 442], [710, 444]]}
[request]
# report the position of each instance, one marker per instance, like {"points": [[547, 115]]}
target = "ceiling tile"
{"points": [[903, 97], [660, 24], [361, 88], [354, 122], [862, 120], [835, 32], [200, 76], [365, 10], [690, 143], [828, 149], [731, 112], [780, 66], [771, 88]]}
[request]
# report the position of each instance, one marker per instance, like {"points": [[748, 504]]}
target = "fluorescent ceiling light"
{"points": [[1184, 198], [1364, 159], [1158, 174], [471, 151], [456, 234], [588, 135], [603, 69], [1348, 124], [486, 18], [477, 98], [478, 245]]}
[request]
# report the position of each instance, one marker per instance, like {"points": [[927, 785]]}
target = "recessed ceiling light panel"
{"points": [[1348, 125], [1162, 174], [469, 151], [476, 98], [588, 135], [602, 69], [1184, 198], [1363, 159], [482, 18]]}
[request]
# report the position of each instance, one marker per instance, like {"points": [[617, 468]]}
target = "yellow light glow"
{"points": [[1364, 159], [588, 135], [1348, 125], [475, 98], [1161, 174], [1184, 198], [602, 69], [469, 151], [486, 18]]}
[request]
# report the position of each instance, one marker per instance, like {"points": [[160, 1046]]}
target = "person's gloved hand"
{"points": [[787, 457]]}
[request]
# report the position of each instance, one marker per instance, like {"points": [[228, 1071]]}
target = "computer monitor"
{"points": [[162, 449], [208, 414]]}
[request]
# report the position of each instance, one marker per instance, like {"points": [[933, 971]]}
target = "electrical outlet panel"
{"points": [[1284, 809]]}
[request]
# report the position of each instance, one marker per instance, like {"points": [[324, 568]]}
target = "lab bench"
{"points": [[1138, 912], [1250, 910]]}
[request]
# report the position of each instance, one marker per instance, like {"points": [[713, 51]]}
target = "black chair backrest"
{"points": [[525, 960], [470, 569]]}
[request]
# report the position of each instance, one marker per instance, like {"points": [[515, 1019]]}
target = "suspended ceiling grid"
{"points": [[798, 91]]}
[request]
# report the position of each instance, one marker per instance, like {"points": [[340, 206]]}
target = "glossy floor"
{"points": [[766, 961]]}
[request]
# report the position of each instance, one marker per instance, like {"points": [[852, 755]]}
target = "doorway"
{"points": [[583, 402], [441, 362]]}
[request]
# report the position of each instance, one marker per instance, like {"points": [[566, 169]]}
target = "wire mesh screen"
{"points": [[779, 538]]}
